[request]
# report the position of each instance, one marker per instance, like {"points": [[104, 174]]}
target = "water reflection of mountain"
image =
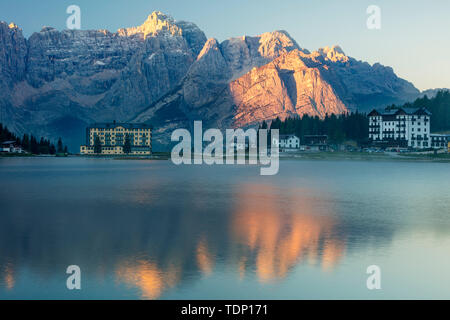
{"points": [[157, 243], [275, 233]]}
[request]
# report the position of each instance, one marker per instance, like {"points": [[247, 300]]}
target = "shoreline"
{"points": [[319, 156], [357, 156]]}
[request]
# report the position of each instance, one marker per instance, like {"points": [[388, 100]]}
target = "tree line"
{"points": [[439, 106], [355, 126], [31, 144], [338, 128]]}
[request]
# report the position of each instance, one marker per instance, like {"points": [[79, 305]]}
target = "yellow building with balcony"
{"points": [[118, 139]]}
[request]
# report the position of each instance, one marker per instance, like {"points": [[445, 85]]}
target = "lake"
{"points": [[143, 229]]}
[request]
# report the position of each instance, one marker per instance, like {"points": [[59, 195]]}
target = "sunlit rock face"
{"points": [[282, 88], [166, 73]]}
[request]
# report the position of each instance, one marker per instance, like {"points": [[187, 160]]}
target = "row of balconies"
{"points": [[419, 138]]}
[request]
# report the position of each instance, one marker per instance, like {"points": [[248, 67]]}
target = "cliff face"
{"points": [[56, 82], [13, 52], [165, 72], [282, 88]]}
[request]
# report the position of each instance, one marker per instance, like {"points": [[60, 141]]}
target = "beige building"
{"points": [[112, 137]]}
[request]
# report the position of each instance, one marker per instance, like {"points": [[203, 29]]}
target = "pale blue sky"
{"points": [[414, 36]]}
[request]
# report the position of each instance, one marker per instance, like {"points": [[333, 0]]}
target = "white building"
{"points": [[400, 127], [287, 141], [440, 141], [11, 147]]}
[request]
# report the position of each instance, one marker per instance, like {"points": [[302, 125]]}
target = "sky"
{"points": [[413, 38]]}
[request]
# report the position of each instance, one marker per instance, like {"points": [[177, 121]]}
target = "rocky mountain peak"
{"points": [[273, 44], [156, 22], [47, 29], [159, 23], [12, 25], [333, 54], [211, 44]]}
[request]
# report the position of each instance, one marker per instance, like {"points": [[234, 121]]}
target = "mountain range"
{"points": [[167, 73]]}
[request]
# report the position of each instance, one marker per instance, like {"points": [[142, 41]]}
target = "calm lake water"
{"points": [[152, 230]]}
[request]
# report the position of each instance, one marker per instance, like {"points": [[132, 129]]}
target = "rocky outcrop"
{"points": [[282, 88]]}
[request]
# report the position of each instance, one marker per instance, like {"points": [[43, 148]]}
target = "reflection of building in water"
{"points": [[281, 231]]}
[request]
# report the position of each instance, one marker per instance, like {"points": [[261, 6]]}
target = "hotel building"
{"points": [[400, 127], [440, 141], [112, 138]]}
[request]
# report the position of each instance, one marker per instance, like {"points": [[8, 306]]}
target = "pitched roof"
{"points": [[397, 111], [111, 125], [287, 136], [9, 142]]}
